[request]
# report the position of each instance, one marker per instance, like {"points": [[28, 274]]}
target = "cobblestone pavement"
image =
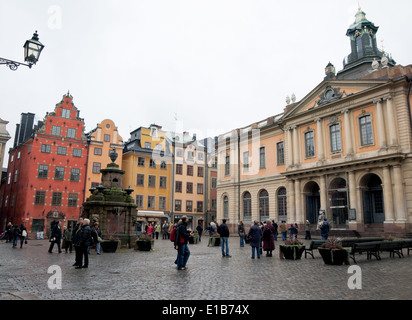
{"points": [[136, 275]]}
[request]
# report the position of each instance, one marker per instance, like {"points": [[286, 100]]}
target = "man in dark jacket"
{"points": [[86, 240], [76, 239], [180, 243], [223, 231], [255, 235], [56, 236]]}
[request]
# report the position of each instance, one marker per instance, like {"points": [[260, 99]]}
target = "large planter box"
{"points": [[214, 242], [291, 252], [194, 239], [110, 245], [334, 256], [144, 245]]}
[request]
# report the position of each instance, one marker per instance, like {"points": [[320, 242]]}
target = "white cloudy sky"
{"points": [[214, 65]]}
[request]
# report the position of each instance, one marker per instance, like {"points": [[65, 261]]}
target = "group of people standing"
{"points": [[14, 233]]}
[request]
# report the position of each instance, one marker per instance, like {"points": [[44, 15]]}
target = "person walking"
{"points": [[255, 235], [97, 235], [165, 229], [241, 232], [85, 241], [293, 232], [55, 236], [199, 231], [9, 232], [67, 237], [307, 231], [223, 231], [16, 234], [76, 242], [324, 229], [150, 230], [180, 243], [283, 228], [23, 235], [268, 238]]}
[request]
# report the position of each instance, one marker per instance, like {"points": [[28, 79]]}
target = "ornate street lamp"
{"points": [[32, 50]]}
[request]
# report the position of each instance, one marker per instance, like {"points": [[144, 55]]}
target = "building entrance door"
{"points": [[373, 208]]}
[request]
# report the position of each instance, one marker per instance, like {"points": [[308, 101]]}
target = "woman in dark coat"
{"points": [[255, 235], [56, 236], [86, 240], [268, 238]]}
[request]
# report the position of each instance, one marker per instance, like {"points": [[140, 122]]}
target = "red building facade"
{"points": [[46, 171]]}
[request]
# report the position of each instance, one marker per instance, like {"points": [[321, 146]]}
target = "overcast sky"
{"points": [[203, 66]]}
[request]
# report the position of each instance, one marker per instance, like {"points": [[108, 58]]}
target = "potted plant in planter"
{"points": [[110, 245], [292, 249], [214, 240], [144, 243], [333, 253]]}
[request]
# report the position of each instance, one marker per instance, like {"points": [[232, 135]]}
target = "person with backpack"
{"points": [[223, 231], [268, 238], [180, 243]]}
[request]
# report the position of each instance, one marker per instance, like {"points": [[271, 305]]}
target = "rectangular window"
{"points": [[200, 171], [199, 206], [74, 174], [246, 161], [189, 205], [280, 153], [77, 153], [365, 126], [309, 144], [335, 139], [139, 200], [227, 165], [200, 156], [71, 133], [178, 205], [96, 167], [189, 187], [162, 203], [214, 183], [162, 182], [106, 138], [62, 150], [151, 202], [190, 170], [200, 188], [190, 155], [152, 164], [66, 113], [179, 168], [72, 201], [43, 171], [46, 148], [148, 145], [57, 199], [214, 203], [140, 180], [56, 131], [152, 181], [178, 186], [163, 165], [16, 175], [140, 162], [59, 173], [98, 151], [262, 158], [179, 153], [40, 197]]}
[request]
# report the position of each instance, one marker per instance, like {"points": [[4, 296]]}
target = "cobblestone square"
{"points": [[136, 275]]}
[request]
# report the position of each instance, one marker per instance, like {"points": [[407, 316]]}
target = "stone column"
{"points": [[298, 202], [319, 136], [387, 194], [291, 200], [352, 191], [393, 139], [347, 128], [380, 124], [399, 195], [289, 147], [323, 195]]}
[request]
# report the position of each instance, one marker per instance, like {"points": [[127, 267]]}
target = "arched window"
{"points": [[247, 206], [263, 205], [226, 207], [282, 204]]}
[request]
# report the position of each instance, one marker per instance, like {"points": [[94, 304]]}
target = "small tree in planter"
{"points": [[110, 245], [333, 253], [292, 249], [214, 240], [144, 243]]}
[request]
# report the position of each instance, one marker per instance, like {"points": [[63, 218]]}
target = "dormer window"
{"points": [[66, 113], [153, 132]]}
